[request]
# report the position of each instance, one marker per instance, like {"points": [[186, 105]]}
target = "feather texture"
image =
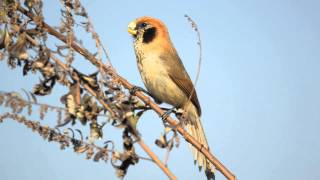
{"points": [[166, 79]]}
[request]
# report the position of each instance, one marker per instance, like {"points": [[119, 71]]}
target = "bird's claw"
{"points": [[167, 113], [134, 89]]}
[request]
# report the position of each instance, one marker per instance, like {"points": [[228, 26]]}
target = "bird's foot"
{"points": [[167, 113], [134, 89], [174, 110]]}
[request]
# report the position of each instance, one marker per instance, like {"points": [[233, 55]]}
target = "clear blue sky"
{"points": [[259, 90]]}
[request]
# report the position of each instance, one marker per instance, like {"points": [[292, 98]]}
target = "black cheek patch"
{"points": [[149, 35]]}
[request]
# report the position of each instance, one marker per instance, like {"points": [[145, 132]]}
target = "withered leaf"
{"points": [[95, 132], [91, 79], [81, 149], [29, 3], [90, 153], [44, 87], [5, 39], [72, 99], [162, 141], [48, 70], [33, 31], [26, 68], [18, 50], [102, 154], [43, 111], [75, 92]]}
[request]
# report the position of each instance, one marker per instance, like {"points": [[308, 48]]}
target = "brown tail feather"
{"points": [[194, 127]]}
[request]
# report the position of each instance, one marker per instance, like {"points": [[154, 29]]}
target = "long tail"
{"points": [[194, 127]]}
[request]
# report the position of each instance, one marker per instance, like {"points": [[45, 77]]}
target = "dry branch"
{"points": [[105, 105], [228, 174]]}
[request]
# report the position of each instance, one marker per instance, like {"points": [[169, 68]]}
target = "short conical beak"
{"points": [[132, 28]]}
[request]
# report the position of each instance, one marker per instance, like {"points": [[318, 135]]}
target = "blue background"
{"points": [[259, 90]]}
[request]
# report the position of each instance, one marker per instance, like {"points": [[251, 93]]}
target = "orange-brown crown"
{"points": [[160, 40]]}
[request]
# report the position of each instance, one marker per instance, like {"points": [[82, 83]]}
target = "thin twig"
{"points": [[166, 157], [98, 41], [156, 159], [196, 29]]}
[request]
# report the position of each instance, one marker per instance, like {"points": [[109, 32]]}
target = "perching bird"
{"points": [[166, 79]]}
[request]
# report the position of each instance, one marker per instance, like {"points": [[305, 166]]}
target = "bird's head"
{"points": [[147, 29]]}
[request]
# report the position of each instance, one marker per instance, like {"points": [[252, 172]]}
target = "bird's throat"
{"points": [[149, 35]]}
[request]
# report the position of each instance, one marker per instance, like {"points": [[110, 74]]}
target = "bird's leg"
{"points": [[167, 113], [174, 110]]}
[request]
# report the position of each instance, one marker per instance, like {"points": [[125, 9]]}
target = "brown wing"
{"points": [[186, 86], [181, 78]]}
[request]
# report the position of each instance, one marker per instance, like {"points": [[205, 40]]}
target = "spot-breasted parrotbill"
{"points": [[165, 77]]}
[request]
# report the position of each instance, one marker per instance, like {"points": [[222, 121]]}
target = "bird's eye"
{"points": [[143, 25]]}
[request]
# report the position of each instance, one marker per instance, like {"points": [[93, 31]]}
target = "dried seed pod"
{"points": [[162, 141]]}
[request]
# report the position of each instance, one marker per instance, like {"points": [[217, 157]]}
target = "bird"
{"points": [[166, 78]]}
